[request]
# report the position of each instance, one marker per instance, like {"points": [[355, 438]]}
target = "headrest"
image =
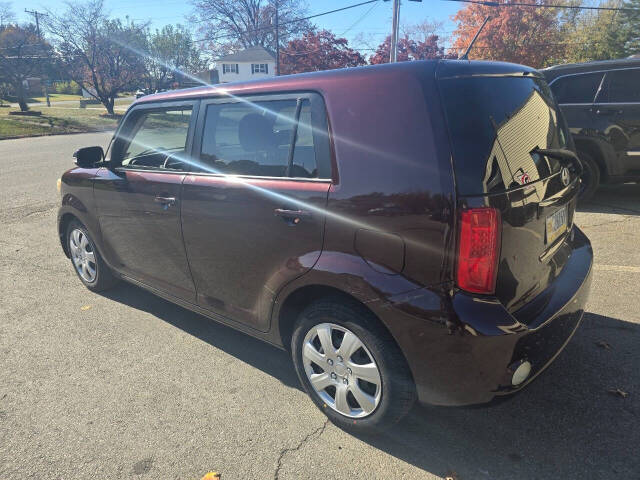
{"points": [[255, 132]]}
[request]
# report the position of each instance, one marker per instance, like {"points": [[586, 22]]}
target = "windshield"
{"points": [[495, 125]]}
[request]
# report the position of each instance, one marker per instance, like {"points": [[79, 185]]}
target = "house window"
{"points": [[229, 68], [259, 68]]}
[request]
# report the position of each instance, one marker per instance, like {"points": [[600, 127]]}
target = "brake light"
{"points": [[479, 248]]}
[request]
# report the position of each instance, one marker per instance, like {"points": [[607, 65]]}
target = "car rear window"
{"points": [[254, 138], [494, 125], [623, 86]]}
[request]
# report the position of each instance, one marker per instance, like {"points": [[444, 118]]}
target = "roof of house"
{"points": [[251, 54]]}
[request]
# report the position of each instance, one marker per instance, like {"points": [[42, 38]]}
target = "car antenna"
{"points": [[465, 55]]}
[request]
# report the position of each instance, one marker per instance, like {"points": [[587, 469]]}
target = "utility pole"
{"points": [[277, 44], [37, 15], [393, 57]]}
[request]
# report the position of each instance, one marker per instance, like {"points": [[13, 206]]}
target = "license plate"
{"points": [[556, 225]]}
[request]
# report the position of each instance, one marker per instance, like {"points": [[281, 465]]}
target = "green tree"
{"points": [[632, 21], [171, 55], [597, 35]]}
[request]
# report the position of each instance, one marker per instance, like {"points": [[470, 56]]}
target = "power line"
{"points": [[362, 17], [544, 5], [295, 20]]}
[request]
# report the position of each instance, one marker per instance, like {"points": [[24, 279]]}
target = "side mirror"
{"points": [[87, 157]]}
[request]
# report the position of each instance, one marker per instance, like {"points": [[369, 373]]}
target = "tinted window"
{"points": [[495, 123], [624, 86], [150, 136], [255, 138], [577, 88]]}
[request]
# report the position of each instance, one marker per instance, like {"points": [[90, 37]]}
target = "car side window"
{"points": [[257, 138], [623, 86], [576, 88], [156, 138]]}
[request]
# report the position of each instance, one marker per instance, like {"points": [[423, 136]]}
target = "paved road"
{"points": [[126, 385]]}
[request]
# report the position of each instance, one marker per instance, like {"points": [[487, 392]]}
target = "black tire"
{"points": [[104, 277], [398, 391], [590, 176]]}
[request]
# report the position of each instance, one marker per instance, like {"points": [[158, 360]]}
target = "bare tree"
{"points": [[6, 14], [22, 56], [232, 24], [105, 57]]}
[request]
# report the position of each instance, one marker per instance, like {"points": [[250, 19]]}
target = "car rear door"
{"points": [[138, 197], [576, 94], [253, 213], [618, 106]]}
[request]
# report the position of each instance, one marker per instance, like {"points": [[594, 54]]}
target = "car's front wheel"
{"points": [[351, 367], [86, 259]]}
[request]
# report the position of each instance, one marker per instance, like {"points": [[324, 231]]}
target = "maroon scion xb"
{"points": [[405, 230]]}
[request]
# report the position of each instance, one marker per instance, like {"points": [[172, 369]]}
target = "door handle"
{"points": [[609, 111], [292, 216], [165, 201]]}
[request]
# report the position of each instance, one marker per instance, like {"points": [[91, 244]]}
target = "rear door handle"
{"points": [[166, 201], [292, 216], [609, 111]]}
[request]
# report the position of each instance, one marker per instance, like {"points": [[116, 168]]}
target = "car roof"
{"points": [[596, 66], [326, 80]]}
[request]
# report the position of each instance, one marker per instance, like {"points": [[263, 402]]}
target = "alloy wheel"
{"points": [[82, 254], [346, 377]]}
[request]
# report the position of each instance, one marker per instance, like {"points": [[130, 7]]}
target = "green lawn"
{"points": [[56, 121]]}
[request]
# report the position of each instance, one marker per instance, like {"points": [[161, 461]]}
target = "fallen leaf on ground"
{"points": [[620, 393], [85, 307], [603, 344], [211, 476]]}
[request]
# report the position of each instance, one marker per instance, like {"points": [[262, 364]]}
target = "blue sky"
{"points": [[372, 22]]}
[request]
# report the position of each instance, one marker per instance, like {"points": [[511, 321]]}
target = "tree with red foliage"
{"points": [[515, 33], [410, 49], [318, 50]]}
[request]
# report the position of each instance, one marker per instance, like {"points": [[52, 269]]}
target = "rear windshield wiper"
{"points": [[566, 157]]}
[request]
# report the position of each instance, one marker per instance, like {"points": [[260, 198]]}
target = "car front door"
{"points": [[138, 197], [253, 215], [619, 107]]}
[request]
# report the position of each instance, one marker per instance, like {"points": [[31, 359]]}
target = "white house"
{"points": [[252, 63]]}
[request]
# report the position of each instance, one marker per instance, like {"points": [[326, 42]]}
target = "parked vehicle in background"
{"points": [[140, 93], [601, 104], [424, 246]]}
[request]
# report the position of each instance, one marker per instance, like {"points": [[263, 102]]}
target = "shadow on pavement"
{"points": [[566, 424], [622, 199], [256, 353]]}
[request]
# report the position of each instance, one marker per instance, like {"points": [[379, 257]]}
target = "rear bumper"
{"points": [[468, 356]]}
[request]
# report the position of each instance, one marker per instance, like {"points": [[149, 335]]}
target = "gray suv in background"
{"points": [[601, 104]]}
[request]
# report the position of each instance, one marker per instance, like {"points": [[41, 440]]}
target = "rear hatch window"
{"points": [[495, 123], [497, 126]]}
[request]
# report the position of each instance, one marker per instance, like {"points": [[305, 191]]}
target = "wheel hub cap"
{"points": [[341, 370], [82, 254]]}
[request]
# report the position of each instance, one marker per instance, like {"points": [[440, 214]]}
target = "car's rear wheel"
{"points": [[351, 367], [86, 260], [590, 176]]}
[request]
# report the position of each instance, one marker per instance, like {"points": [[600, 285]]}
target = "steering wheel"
{"points": [[167, 160]]}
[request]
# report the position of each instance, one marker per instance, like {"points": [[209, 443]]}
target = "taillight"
{"points": [[479, 248]]}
